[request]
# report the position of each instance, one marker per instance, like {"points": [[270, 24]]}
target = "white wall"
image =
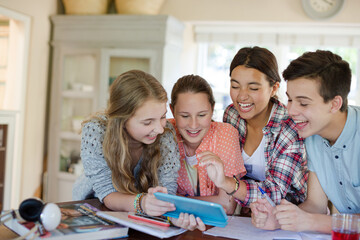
{"points": [[36, 92], [246, 11], [251, 10]]}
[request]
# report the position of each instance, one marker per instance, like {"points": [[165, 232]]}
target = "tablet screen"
{"points": [[210, 213]]}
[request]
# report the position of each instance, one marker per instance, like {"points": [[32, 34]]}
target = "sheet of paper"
{"points": [[314, 236], [241, 228]]}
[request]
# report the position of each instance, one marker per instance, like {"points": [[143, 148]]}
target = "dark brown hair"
{"points": [[193, 84], [329, 69], [258, 58]]}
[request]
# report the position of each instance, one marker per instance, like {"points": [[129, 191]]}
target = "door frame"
{"points": [[13, 175]]}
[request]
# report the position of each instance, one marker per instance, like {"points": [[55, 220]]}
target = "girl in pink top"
{"points": [[192, 104]]}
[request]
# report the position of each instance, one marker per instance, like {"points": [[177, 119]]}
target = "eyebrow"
{"points": [[250, 83], [150, 119], [300, 97], [202, 111]]}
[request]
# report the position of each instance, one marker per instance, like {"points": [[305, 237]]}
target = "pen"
{"points": [[264, 195]]}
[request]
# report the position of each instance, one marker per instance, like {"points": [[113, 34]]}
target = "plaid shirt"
{"points": [[286, 172]]}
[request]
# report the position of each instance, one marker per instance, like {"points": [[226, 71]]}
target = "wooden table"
{"points": [[6, 234]]}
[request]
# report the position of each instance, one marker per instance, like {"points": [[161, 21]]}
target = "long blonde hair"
{"points": [[127, 93]]}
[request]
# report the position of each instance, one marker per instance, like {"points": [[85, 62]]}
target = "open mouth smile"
{"points": [[301, 124], [193, 133], [246, 107]]}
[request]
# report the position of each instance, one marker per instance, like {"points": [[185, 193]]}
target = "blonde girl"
{"points": [[129, 152]]}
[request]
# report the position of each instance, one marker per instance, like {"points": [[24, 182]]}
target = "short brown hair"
{"points": [[329, 69]]}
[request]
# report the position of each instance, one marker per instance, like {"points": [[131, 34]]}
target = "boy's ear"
{"points": [[336, 103]]}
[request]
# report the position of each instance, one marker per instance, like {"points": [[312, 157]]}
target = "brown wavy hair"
{"points": [[127, 93]]}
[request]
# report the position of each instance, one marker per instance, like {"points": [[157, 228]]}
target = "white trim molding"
{"points": [[255, 33], [20, 25]]}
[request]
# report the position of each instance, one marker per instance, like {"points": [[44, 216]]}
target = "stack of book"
{"points": [[142, 224]]}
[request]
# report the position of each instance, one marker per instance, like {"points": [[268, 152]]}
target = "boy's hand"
{"points": [[291, 217]]}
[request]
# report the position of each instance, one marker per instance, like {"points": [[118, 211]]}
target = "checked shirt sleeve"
{"points": [[286, 174]]}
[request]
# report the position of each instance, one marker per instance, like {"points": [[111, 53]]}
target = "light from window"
{"points": [[214, 63]]}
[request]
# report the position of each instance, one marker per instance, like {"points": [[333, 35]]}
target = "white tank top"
{"points": [[256, 163]]}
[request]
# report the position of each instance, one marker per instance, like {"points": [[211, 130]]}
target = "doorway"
{"points": [[14, 49]]}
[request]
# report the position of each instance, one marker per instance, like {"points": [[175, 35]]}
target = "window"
{"points": [[217, 47], [4, 38]]}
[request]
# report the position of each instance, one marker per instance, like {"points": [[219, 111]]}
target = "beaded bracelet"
{"points": [[136, 200], [140, 210], [137, 203]]}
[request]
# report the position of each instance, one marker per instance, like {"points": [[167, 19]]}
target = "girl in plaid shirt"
{"points": [[273, 152]]}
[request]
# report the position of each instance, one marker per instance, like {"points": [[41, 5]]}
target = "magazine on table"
{"points": [[78, 221]]}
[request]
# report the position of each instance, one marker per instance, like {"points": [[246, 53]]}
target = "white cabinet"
{"points": [[89, 52]]}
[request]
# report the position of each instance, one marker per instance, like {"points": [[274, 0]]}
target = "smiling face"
{"points": [[307, 108], [251, 92], [193, 113], [147, 122]]}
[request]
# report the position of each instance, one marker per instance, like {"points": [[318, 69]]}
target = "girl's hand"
{"points": [[153, 206], [262, 215], [189, 222], [214, 167]]}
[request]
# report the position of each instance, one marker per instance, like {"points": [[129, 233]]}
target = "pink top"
{"points": [[221, 139]]}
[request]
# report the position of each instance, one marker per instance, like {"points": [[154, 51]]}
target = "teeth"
{"points": [[193, 132], [297, 121], [245, 105]]}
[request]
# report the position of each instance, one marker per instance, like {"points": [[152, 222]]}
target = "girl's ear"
{"points": [[275, 88], [336, 103]]}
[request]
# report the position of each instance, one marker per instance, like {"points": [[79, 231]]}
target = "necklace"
{"points": [[191, 160]]}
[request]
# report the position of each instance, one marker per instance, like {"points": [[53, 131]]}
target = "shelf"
{"points": [[77, 94], [70, 136], [83, 64]]}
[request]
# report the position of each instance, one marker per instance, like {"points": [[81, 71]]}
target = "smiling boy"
{"points": [[318, 84]]}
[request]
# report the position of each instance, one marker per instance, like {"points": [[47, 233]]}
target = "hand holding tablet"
{"points": [[210, 213]]}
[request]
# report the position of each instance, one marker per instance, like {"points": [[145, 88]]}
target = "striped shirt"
{"points": [[286, 172]]}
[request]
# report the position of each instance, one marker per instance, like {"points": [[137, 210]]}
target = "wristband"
{"points": [[137, 203], [237, 184]]}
